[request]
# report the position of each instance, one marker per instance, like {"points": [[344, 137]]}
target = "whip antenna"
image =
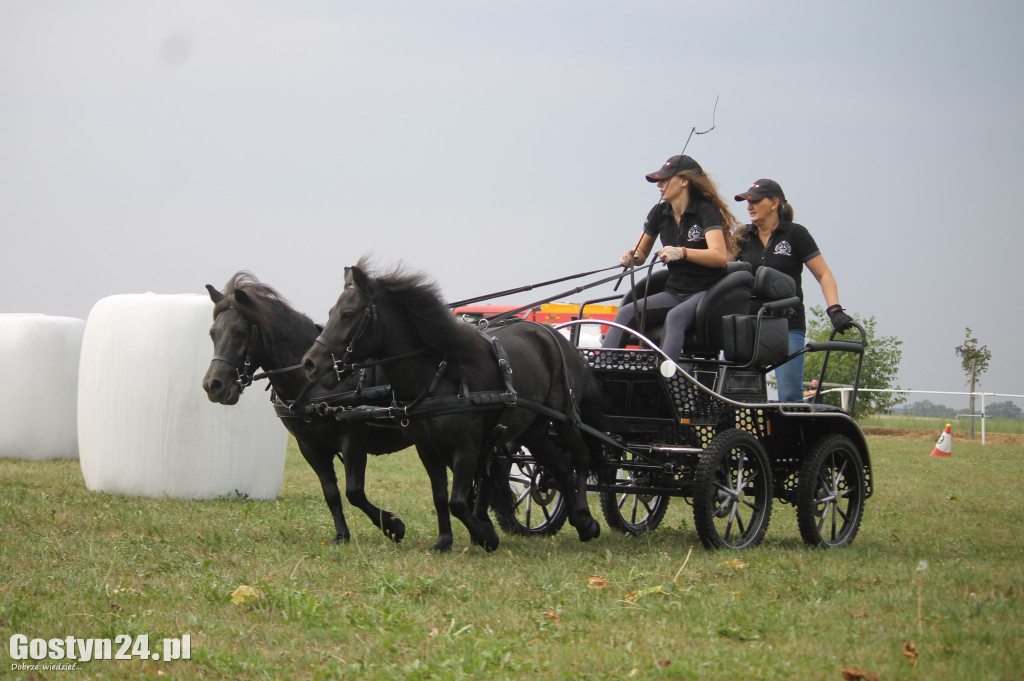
{"points": [[693, 130]]}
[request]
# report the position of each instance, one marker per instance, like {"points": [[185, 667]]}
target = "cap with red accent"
{"points": [[761, 189], [673, 167]]}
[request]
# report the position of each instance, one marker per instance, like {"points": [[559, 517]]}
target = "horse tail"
{"points": [[592, 411], [589, 399]]}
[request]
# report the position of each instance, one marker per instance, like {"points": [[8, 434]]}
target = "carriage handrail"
{"points": [[782, 304], [839, 345]]}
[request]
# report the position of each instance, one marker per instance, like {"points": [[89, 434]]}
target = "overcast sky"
{"points": [[161, 146]]}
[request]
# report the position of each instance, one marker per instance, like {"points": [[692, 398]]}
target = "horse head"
{"points": [[236, 346], [347, 334]]}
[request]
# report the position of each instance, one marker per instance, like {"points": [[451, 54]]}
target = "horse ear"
{"points": [[358, 278], [215, 295], [242, 298]]}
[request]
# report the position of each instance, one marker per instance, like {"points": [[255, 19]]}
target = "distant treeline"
{"points": [[996, 410]]}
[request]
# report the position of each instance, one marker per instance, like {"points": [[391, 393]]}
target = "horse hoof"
{"points": [[489, 542], [443, 545], [589, 530], [395, 531], [339, 539]]}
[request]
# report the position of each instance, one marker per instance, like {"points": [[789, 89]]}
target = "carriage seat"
{"points": [[729, 296], [762, 335]]}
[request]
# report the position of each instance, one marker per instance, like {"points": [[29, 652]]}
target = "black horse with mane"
{"points": [[253, 326], [450, 377]]}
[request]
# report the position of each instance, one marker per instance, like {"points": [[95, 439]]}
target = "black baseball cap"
{"points": [[673, 167], [761, 189]]}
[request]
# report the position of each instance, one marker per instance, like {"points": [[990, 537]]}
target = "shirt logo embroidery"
{"points": [[695, 233], [783, 248]]}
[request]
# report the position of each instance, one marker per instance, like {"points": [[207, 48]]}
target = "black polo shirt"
{"points": [[686, 276], [789, 247]]}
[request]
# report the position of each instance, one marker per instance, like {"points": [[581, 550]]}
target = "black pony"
{"points": [[254, 327], [445, 369]]}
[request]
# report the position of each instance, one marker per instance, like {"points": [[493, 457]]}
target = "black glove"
{"points": [[840, 320]]}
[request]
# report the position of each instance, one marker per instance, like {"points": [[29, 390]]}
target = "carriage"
{"points": [[699, 426]]}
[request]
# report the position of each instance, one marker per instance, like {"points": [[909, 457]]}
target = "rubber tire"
{"points": [[652, 506], [716, 496], [833, 468], [515, 499]]}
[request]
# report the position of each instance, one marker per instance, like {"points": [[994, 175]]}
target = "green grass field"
{"points": [[937, 424], [937, 569]]}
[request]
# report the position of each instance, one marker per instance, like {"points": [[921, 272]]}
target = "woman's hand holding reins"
{"points": [[631, 258], [670, 253]]}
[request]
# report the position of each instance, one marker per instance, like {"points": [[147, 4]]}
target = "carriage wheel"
{"points": [[526, 498], [830, 493], [732, 501], [631, 512]]}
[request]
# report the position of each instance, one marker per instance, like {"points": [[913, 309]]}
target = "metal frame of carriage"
{"points": [[701, 428]]}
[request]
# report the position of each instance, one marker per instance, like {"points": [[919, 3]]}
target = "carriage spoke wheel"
{"points": [[732, 501], [632, 512], [526, 499], [830, 493]]}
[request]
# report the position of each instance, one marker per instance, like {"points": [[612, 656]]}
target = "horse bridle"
{"points": [[340, 357], [243, 369]]}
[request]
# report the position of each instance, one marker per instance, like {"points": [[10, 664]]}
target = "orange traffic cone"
{"points": [[944, 447]]}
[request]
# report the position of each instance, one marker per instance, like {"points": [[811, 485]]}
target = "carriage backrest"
{"points": [[771, 285], [730, 295]]}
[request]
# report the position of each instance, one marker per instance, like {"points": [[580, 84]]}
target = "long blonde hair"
{"points": [[730, 225]]}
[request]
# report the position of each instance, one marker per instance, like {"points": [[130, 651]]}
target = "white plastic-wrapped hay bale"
{"points": [[145, 426], [39, 386]]}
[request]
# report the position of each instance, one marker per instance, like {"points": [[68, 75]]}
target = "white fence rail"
{"points": [[847, 390]]}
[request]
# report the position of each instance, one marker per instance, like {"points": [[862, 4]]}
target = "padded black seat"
{"points": [[729, 296], [763, 337]]}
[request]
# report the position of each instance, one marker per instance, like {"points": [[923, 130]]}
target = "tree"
{"points": [[1003, 410], [881, 363], [974, 359], [928, 409]]}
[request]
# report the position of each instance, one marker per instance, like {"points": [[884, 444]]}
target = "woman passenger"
{"points": [[772, 239]]}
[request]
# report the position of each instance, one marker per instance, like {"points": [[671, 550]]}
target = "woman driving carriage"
{"points": [[696, 230]]}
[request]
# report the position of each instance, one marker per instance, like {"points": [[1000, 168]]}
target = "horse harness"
{"points": [[426, 404]]}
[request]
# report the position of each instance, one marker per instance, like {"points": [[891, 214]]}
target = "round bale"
{"points": [[39, 386], [145, 426]]}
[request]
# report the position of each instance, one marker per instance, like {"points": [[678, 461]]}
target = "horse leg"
{"points": [[353, 447], [572, 476], [571, 438], [482, 496], [464, 469], [322, 463], [438, 475]]}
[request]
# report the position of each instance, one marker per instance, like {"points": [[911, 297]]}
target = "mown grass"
{"points": [[938, 564]]}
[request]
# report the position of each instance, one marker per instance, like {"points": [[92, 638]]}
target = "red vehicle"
{"points": [[548, 313]]}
